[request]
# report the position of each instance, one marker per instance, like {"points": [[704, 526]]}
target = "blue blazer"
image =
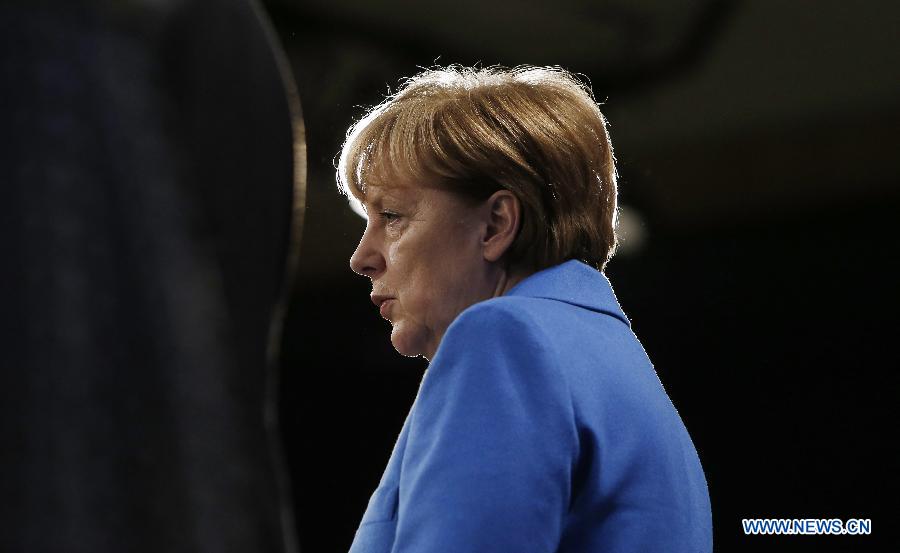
{"points": [[541, 426]]}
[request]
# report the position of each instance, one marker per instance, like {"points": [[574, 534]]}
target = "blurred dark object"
{"points": [[152, 166]]}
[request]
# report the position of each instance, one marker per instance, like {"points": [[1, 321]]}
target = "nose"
{"points": [[367, 260]]}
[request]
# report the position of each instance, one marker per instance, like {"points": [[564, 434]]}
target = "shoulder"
{"points": [[496, 323], [496, 356], [500, 336]]}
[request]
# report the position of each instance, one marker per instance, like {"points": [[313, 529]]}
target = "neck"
{"points": [[507, 280]]}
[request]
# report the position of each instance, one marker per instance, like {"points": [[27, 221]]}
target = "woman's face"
{"points": [[422, 249]]}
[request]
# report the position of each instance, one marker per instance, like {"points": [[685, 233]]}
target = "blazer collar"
{"points": [[573, 282]]}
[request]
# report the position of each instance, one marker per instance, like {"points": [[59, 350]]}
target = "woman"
{"points": [[540, 424]]}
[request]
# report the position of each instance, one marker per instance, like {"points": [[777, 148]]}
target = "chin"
{"points": [[404, 349], [405, 344]]}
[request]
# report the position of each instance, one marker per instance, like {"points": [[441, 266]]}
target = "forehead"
{"points": [[377, 194]]}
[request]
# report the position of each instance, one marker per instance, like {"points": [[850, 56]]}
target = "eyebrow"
{"points": [[371, 199], [376, 198]]}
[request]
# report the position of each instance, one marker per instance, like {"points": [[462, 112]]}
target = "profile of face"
{"points": [[430, 255]]}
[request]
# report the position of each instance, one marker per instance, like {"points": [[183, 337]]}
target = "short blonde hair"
{"points": [[535, 131]]}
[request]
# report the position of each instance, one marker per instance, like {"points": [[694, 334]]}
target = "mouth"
{"points": [[383, 303], [383, 308]]}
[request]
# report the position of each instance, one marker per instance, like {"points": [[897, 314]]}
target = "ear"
{"points": [[503, 215]]}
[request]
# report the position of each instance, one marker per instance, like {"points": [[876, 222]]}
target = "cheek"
{"points": [[434, 277], [423, 294], [421, 282], [444, 290]]}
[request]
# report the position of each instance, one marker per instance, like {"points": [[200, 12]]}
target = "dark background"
{"points": [[757, 146]]}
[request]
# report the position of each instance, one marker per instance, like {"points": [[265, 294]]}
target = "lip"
{"points": [[382, 302], [378, 299], [383, 308]]}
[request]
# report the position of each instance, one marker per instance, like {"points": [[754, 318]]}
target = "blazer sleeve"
{"points": [[492, 442]]}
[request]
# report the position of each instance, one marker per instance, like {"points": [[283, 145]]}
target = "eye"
{"points": [[389, 216]]}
